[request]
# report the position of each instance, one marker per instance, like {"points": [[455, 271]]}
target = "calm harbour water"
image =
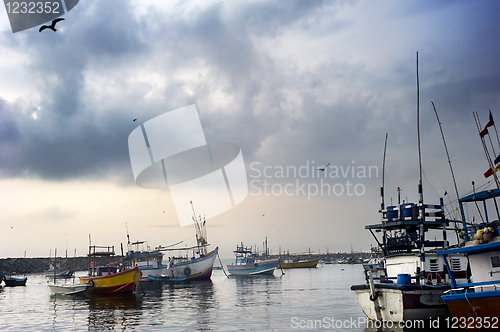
{"points": [[274, 303]]}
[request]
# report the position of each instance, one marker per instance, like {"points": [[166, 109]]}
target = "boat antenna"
{"points": [[449, 161], [382, 205]]}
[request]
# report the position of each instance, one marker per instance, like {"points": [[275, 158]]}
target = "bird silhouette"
{"points": [[323, 168], [52, 26], [134, 120]]}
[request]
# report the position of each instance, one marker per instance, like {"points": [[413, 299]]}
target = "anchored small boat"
{"points": [[68, 289], [248, 263], [107, 279], [13, 281]]}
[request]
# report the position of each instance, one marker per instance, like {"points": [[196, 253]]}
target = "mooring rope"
{"points": [[222, 266]]}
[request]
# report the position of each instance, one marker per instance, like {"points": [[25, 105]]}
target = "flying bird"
{"points": [[134, 120], [323, 168], [52, 26]]}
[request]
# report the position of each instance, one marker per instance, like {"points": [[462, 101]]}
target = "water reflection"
{"points": [[114, 312], [182, 298], [251, 290]]}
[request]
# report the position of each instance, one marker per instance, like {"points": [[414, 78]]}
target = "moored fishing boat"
{"points": [[248, 263], [61, 272], [13, 281], [183, 263], [475, 304], [297, 264], [108, 279], [410, 258], [192, 265], [66, 288]]}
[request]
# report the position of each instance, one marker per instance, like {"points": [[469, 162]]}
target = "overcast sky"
{"points": [[293, 83]]}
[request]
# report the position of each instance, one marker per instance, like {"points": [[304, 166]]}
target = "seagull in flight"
{"points": [[52, 26], [323, 168]]}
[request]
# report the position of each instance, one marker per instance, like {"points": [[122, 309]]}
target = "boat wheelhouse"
{"points": [[108, 278]]}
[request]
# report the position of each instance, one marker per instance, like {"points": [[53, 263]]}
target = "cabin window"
{"points": [[495, 261]]}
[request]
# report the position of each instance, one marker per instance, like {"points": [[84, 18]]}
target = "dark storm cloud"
{"points": [[88, 77], [70, 140]]}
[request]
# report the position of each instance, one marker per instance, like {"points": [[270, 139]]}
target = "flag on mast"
{"points": [[489, 124]]}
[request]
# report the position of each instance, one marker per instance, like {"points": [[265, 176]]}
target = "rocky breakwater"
{"points": [[41, 264]]}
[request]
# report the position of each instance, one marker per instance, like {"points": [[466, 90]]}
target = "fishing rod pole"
{"points": [[451, 167]]}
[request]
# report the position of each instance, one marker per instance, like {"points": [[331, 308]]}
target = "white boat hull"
{"points": [[197, 269], [401, 304], [68, 289]]}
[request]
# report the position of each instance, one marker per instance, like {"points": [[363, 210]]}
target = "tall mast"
{"points": [[382, 204], [201, 240], [420, 191]]}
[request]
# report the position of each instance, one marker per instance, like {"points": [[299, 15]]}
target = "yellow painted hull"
{"points": [[121, 282], [297, 265]]}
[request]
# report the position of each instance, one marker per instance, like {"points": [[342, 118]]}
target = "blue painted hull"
{"points": [[12, 282], [166, 279], [257, 268]]}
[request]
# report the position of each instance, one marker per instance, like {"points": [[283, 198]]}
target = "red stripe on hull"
{"points": [[125, 288]]}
